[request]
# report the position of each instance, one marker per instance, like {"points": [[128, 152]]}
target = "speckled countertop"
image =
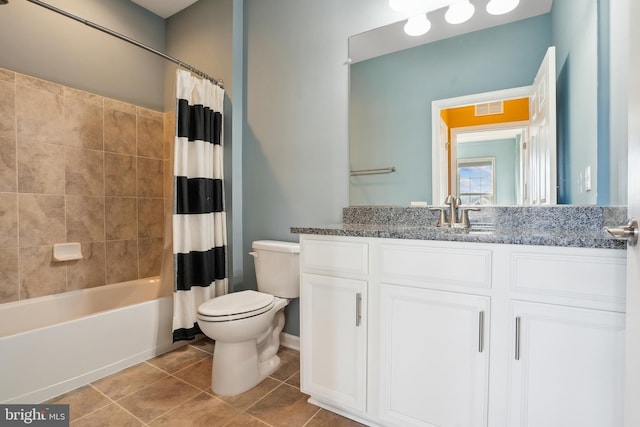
{"points": [[573, 226]]}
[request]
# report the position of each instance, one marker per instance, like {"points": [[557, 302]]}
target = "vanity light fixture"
{"points": [[500, 7], [459, 11], [417, 25]]}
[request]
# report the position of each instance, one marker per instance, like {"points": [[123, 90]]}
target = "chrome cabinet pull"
{"points": [[358, 309], [481, 332], [517, 338]]}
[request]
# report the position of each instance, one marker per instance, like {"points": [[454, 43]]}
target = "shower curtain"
{"points": [[199, 223]]}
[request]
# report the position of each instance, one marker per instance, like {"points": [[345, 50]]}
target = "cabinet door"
{"points": [[567, 367], [333, 340], [434, 357]]}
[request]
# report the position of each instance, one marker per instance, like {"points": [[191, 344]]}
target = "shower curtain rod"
{"points": [[128, 40]]}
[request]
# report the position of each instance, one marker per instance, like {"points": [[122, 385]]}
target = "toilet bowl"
{"points": [[246, 325]]}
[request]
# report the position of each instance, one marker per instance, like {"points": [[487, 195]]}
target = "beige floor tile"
{"points": [[202, 411], [285, 406], [130, 380], [146, 393], [178, 359], [198, 374], [244, 400], [294, 380], [245, 420], [289, 365], [82, 401], [158, 398], [109, 416], [329, 419], [205, 344]]}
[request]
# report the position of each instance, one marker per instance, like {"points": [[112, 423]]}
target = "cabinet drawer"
{"points": [[437, 265], [597, 275], [335, 256]]}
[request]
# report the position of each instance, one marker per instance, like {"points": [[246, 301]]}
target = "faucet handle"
{"points": [[464, 216], [442, 220]]}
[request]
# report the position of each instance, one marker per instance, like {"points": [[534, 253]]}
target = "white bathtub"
{"points": [[53, 344]]}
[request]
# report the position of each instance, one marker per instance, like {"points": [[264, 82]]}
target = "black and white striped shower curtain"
{"points": [[199, 223]]}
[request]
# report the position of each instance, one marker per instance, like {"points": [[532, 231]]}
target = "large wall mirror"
{"points": [[402, 149]]}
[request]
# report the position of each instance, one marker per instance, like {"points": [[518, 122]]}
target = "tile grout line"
{"points": [[111, 402], [96, 409], [169, 374], [178, 405], [251, 416], [312, 417]]}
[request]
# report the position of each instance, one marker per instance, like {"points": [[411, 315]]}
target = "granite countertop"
{"points": [[541, 226], [504, 236]]}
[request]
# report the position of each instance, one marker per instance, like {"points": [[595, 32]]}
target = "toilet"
{"points": [[246, 325]]}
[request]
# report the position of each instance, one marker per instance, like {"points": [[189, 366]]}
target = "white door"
{"points": [[632, 394], [333, 340], [434, 358], [542, 138]]}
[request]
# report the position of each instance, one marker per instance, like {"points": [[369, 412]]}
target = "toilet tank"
{"points": [[277, 267]]}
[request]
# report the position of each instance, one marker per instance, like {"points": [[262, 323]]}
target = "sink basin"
{"points": [[473, 229], [482, 227]]}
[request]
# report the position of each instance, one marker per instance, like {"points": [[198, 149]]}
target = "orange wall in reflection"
{"points": [[515, 110]]}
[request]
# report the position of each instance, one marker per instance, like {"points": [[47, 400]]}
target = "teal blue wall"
{"points": [[397, 91], [575, 35], [295, 164], [506, 153]]}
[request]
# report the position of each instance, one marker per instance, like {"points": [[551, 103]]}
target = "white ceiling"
{"points": [[392, 38], [164, 8]]}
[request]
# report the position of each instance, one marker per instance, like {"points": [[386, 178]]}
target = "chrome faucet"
{"points": [[453, 203], [455, 220]]}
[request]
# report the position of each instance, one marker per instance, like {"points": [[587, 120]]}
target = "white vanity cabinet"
{"points": [[440, 325], [434, 368], [333, 328], [567, 365], [433, 333]]}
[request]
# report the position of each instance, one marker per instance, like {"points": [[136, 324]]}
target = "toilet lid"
{"points": [[236, 303]]}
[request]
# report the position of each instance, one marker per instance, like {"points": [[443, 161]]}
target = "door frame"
{"points": [[453, 148], [632, 343], [439, 169]]}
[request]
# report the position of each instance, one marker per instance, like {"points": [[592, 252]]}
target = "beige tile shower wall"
{"points": [[77, 167]]}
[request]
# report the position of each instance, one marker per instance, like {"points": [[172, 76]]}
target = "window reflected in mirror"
{"points": [[476, 181]]}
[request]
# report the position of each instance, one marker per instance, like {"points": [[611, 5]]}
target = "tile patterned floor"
{"points": [[174, 389]]}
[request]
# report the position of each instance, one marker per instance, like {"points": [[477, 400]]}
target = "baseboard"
{"points": [[290, 341]]}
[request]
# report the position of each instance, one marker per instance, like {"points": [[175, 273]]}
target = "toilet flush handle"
{"points": [[254, 254]]}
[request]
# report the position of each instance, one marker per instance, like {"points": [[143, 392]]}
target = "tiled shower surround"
{"points": [[77, 167]]}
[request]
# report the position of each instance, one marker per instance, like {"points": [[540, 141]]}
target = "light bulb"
{"points": [[417, 25], [500, 7], [459, 12]]}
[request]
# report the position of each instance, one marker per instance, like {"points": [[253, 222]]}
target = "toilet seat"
{"points": [[234, 306]]}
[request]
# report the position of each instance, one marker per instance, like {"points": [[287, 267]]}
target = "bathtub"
{"points": [[54, 344]]}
